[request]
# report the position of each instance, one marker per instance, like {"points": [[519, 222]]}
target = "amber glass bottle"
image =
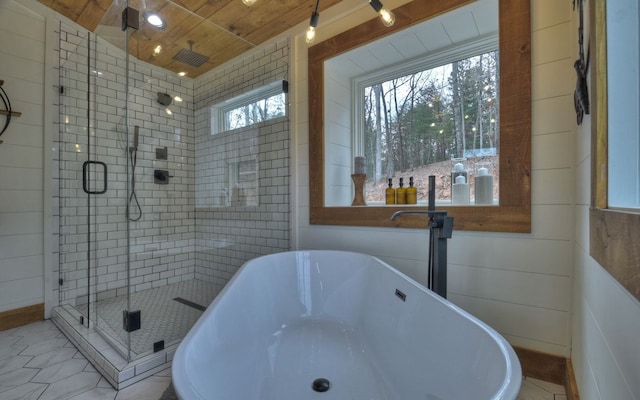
{"points": [[390, 193], [401, 194], [412, 192]]}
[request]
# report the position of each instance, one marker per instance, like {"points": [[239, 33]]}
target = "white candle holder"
{"points": [[460, 193], [483, 183]]}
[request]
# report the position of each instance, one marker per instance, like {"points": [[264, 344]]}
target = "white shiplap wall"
{"points": [[22, 59], [338, 116], [518, 283]]}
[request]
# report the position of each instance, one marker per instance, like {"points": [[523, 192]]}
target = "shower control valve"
{"points": [[161, 176]]}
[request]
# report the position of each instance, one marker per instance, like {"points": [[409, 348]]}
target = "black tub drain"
{"points": [[321, 385]]}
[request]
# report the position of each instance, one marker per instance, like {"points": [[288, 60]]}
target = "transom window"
{"points": [[250, 108]]}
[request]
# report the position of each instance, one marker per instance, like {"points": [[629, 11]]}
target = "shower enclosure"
{"points": [[151, 220], [126, 202]]}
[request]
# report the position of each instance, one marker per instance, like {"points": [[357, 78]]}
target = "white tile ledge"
{"points": [[109, 364]]}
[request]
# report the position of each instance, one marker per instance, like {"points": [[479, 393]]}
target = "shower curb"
{"points": [[108, 362]]}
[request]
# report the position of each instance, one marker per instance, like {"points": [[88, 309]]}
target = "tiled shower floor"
{"points": [[163, 318]]}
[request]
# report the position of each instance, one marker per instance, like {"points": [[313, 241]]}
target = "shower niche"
{"points": [[242, 181]]}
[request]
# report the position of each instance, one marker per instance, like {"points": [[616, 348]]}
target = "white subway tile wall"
{"points": [[181, 233], [163, 238], [229, 235]]}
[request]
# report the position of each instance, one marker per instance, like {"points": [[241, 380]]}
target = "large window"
{"points": [[614, 223], [330, 113], [624, 102], [427, 117]]}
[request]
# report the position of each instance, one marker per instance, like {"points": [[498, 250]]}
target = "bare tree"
{"points": [[458, 110], [377, 94], [480, 101]]}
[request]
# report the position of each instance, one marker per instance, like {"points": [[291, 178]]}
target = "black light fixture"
{"points": [[164, 99], [310, 36], [387, 17]]}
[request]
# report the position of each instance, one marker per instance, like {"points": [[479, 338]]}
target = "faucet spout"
{"points": [[440, 229], [431, 209], [398, 213]]}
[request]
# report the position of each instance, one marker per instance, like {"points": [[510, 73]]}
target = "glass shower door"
{"points": [[93, 228], [114, 147], [127, 201], [75, 290], [107, 211]]}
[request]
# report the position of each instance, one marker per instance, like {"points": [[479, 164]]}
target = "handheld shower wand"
{"points": [[136, 133], [133, 158]]}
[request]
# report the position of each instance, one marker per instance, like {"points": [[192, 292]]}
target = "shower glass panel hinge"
{"points": [[130, 18], [158, 346], [130, 320]]}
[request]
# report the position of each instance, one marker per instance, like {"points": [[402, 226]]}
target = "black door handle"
{"points": [[86, 181]]}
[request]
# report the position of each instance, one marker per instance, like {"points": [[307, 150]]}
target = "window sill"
{"points": [[423, 203], [469, 218]]}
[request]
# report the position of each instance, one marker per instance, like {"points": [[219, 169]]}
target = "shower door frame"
{"points": [[93, 175]]}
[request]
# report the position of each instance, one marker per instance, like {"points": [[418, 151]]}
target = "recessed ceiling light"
{"points": [[155, 20], [182, 73]]}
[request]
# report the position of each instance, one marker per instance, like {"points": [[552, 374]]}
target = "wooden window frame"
{"points": [[613, 234], [513, 214]]}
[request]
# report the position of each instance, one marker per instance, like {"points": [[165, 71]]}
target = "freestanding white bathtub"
{"points": [[289, 326]]}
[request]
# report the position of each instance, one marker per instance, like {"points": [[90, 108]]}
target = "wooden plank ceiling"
{"points": [[218, 29]]}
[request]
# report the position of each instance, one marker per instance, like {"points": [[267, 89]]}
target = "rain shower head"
{"points": [[164, 99], [190, 57]]}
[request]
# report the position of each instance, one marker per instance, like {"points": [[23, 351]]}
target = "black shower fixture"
{"points": [[164, 99], [161, 176]]}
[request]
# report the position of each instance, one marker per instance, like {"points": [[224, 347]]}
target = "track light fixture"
{"points": [[310, 36], [387, 17]]}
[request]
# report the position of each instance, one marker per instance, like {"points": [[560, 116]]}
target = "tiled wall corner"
{"points": [[228, 236]]}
